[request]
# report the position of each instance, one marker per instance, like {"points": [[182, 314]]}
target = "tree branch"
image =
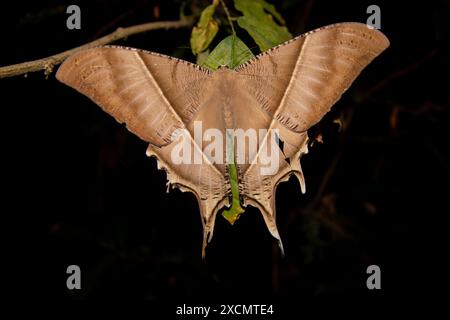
{"points": [[48, 63]]}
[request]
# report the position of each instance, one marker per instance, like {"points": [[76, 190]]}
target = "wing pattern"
{"points": [[288, 88]]}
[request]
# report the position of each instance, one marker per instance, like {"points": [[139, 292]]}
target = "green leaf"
{"points": [[207, 15], [230, 52], [206, 29], [233, 213], [258, 21]]}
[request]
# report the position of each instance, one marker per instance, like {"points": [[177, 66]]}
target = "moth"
{"points": [[286, 90]]}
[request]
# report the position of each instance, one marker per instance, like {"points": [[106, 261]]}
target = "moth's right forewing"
{"points": [[313, 71]]}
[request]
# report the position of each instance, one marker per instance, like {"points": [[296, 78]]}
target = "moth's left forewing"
{"points": [[152, 94]]}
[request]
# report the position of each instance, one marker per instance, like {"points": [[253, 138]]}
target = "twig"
{"points": [[48, 63]]}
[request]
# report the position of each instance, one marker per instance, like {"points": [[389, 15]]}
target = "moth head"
{"points": [[224, 72]]}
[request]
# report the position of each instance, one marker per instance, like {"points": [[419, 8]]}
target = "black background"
{"points": [[77, 188]]}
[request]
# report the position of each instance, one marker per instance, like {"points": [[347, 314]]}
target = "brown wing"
{"points": [[152, 94], [296, 83]]}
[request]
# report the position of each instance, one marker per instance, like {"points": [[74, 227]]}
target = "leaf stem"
{"points": [[230, 20]]}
